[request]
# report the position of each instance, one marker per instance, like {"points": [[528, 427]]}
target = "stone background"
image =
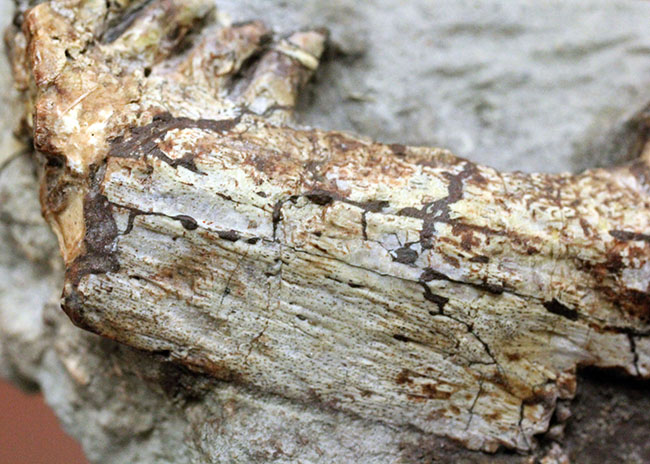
{"points": [[513, 84]]}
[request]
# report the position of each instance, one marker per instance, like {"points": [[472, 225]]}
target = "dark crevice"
{"points": [[635, 355], [185, 36], [405, 255], [240, 80], [439, 210], [323, 198], [188, 222], [627, 236], [555, 307], [440, 301], [620, 330], [615, 378], [364, 225], [430, 274], [521, 420], [120, 24], [229, 235], [276, 216], [144, 140], [99, 255], [164, 353], [471, 408]]}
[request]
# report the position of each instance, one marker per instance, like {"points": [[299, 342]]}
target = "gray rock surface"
{"points": [[511, 84], [516, 85]]}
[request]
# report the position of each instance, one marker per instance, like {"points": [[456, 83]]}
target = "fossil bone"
{"points": [[401, 284]]}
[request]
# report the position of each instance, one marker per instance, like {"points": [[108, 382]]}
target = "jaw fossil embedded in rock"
{"points": [[402, 284]]}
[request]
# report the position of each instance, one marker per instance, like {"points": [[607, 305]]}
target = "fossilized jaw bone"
{"points": [[402, 284]]}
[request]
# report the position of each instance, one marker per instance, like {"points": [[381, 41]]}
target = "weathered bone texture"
{"points": [[401, 284]]}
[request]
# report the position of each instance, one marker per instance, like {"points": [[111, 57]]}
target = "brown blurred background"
{"points": [[30, 433]]}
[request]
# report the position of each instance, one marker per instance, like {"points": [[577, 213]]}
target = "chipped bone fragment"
{"points": [[401, 284]]}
